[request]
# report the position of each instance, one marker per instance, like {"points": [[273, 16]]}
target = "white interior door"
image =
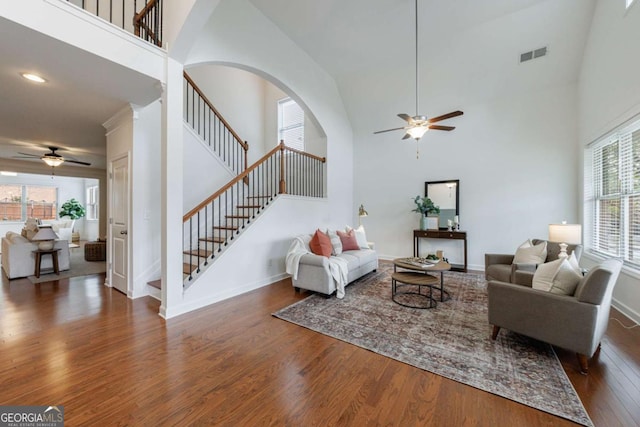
{"points": [[119, 223]]}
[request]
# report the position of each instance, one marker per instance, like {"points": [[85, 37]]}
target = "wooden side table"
{"points": [[54, 260]]}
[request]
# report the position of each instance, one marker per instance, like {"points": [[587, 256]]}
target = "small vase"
{"points": [[423, 222]]}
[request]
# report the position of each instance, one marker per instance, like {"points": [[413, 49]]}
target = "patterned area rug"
{"points": [[452, 340]]}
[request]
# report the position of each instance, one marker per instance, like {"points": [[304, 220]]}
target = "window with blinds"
{"points": [[612, 194], [92, 202], [291, 124]]}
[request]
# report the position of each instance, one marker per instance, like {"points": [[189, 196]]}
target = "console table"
{"points": [[441, 234]]}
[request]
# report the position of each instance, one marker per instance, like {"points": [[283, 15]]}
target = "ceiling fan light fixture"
{"points": [[33, 77], [417, 132], [53, 161]]}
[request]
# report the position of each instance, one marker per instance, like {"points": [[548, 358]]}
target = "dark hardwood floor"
{"points": [[114, 361]]}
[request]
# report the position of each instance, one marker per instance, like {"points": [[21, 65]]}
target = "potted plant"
{"points": [[72, 209], [425, 206]]}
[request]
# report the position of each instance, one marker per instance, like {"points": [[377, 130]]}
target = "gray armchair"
{"points": [[501, 267], [574, 322]]}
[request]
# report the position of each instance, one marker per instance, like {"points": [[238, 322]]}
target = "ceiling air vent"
{"points": [[533, 54]]}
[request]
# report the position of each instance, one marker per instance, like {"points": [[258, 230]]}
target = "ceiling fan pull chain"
{"points": [[417, 150]]}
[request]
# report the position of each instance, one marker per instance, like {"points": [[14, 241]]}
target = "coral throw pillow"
{"points": [[349, 241], [320, 244]]}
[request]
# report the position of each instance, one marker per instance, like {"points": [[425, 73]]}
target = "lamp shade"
{"points": [[566, 233], [416, 132], [45, 236]]}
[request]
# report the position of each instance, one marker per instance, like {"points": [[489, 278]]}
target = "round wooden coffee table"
{"points": [[419, 277]]}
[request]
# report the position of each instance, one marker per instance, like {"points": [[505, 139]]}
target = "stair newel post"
{"points": [[283, 183], [246, 159]]}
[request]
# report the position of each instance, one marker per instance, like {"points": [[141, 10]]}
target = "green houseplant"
{"points": [[424, 206], [73, 209]]}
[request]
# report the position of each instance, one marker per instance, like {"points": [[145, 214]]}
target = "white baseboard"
{"points": [[212, 299]]}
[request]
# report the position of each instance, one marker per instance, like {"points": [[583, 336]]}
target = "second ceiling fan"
{"points": [[417, 125]]}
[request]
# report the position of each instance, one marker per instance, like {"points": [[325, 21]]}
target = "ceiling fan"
{"points": [[51, 158], [417, 125]]}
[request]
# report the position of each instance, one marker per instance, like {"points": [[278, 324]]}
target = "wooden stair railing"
{"points": [[146, 24], [207, 122], [213, 224]]}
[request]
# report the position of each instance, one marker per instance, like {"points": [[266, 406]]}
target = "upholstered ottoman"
{"points": [[95, 251]]}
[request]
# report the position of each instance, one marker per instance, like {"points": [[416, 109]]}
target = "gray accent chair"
{"points": [[501, 267], [573, 322]]}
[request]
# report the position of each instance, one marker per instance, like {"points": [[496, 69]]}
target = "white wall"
{"points": [[204, 172], [145, 199], [514, 156], [609, 94]]}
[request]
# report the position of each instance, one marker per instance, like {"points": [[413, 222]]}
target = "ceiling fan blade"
{"points": [[406, 136], [77, 162], [387, 130], [439, 127], [405, 117], [29, 155], [445, 116]]}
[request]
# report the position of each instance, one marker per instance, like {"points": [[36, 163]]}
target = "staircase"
{"points": [[212, 226]]}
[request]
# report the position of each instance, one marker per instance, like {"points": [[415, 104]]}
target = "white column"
{"points": [[171, 182]]}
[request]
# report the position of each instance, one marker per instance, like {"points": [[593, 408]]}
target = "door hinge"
{"points": [[110, 220]]}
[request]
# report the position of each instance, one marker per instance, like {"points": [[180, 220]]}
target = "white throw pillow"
{"points": [[558, 277], [544, 275], [361, 236], [527, 253], [336, 243], [567, 277]]}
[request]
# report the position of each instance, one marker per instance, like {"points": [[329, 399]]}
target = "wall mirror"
{"points": [[445, 195]]}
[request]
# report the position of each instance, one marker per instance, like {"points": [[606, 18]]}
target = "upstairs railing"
{"points": [[200, 113], [214, 223], [140, 17], [147, 24]]}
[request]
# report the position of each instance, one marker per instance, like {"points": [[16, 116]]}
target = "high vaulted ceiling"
{"points": [[466, 47]]}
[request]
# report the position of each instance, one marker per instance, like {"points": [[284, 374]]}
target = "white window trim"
{"points": [[281, 103], [626, 191]]}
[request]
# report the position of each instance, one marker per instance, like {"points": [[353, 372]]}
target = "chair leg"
{"points": [[584, 363], [494, 333], [597, 353]]}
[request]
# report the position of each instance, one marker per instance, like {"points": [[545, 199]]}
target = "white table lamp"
{"points": [[45, 237], [565, 234]]}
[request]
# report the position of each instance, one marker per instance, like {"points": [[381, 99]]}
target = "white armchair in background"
{"points": [[63, 228]]}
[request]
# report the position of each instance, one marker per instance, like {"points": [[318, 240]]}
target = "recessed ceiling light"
{"points": [[33, 77]]}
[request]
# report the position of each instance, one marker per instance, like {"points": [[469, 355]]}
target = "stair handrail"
{"points": [[215, 222], [139, 17], [247, 171], [243, 144]]}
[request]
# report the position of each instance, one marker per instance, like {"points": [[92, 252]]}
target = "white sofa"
{"points": [[18, 259], [314, 273]]}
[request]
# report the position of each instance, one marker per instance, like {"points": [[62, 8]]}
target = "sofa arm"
{"points": [[523, 278], [313, 259], [490, 259]]}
